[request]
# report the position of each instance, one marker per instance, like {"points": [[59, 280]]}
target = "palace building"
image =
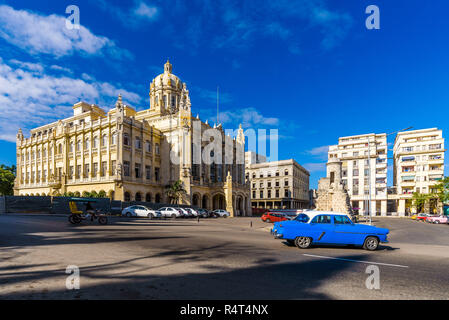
{"points": [[133, 155]]}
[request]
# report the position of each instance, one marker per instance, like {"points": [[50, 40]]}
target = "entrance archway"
{"points": [[205, 202], [219, 202]]}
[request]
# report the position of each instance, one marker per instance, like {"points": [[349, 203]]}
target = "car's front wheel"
{"points": [[150, 216], [173, 216], [128, 214], [371, 243], [436, 222], [303, 242]]}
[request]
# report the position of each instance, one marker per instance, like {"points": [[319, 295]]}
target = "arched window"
{"points": [[138, 197], [156, 147], [127, 197], [71, 146], [114, 138], [148, 197], [78, 145], [158, 198], [138, 143], [148, 146], [87, 144], [60, 148]]}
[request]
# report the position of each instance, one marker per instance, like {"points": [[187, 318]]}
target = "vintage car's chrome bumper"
{"points": [[275, 234]]}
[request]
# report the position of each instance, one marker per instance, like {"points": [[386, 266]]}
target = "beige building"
{"points": [[132, 155], [418, 165], [364, 162], [279, 184]]}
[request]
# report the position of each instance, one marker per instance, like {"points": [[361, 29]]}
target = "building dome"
{"points": [[167, 79]]}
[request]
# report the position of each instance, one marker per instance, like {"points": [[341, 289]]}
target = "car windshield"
{"points": [[302, 218]]}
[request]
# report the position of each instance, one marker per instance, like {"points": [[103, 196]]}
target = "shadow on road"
{"points": [[297, 280]]}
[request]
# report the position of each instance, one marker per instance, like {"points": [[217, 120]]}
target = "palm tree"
{"points": [[175, 191]]}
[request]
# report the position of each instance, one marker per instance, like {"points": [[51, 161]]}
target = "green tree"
{"points": [[419, 200], [443, 190], [94, 194], [7, 177], [102, 194], [175, 191], [86, 194]]}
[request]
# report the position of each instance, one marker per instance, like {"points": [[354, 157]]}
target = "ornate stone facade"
{"points": [[132, 155]]}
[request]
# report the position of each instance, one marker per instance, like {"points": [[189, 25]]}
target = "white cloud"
{"points": [[248, 117], [315, 167], [134, 17], [29, 99], [320, 152], [39, 34], [145, 11]]}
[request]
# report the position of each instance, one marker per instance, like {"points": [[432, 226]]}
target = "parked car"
{"points": [[141, 211], [221, 213], [438, 219], [422, 216], [321, 227], [274, 217], [203, 213], [185, 212], [170, 212], [192, 211]]}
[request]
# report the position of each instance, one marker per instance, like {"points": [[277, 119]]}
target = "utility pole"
{"points": [[369, 179]]}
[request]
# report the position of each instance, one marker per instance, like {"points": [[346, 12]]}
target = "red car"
{"points": [[274, 217]]}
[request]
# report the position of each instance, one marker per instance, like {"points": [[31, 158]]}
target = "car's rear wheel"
{"points": [[303, 242], [173, 216], [371, 243], [269, 221]]}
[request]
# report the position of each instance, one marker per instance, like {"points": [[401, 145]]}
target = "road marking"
{"points": [[359, 261]]}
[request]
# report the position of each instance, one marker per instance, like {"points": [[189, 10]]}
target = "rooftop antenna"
{"points": [[218, 101]]}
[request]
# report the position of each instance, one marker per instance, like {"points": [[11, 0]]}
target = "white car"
{"points": [[185, 211], [193, 212], [221, 213], [169, 212], [140, 211]]}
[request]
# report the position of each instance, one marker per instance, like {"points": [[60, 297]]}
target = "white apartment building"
{"points": [[418, 165], [280, 184], [364, 163]]}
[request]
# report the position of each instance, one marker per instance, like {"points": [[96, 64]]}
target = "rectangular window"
{"points": [[104, 166], [137, 170], [126, 168], [86, 170], [156, 174], [114, 167], [95, 169], [148, 172], [78, 171]]}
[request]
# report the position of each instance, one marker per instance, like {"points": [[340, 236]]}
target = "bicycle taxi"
{"points": [[77, 215]]}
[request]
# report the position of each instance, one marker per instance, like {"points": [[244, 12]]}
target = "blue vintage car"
{"points": [[315, 227]]}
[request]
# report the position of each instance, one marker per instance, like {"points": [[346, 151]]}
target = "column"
{"points": [[401, 208], [383, 208]]}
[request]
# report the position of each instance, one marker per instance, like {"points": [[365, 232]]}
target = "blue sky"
{"points": [[310, 69]]}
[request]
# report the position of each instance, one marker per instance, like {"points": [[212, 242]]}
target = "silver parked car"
{"points": [[141, 211]]}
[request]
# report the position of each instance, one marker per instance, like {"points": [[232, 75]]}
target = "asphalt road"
{"points": [[212, 259]]}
